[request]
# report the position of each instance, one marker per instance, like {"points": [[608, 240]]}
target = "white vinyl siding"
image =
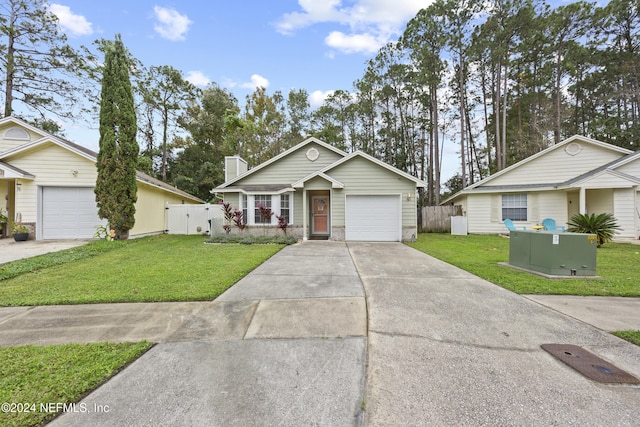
{"points": [[599, 201], [625, 213], [557, 166], [484, 211]]}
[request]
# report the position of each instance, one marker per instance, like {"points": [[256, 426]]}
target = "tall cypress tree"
{"points": [[116, 189]]}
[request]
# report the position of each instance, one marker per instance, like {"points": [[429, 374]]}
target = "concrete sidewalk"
{"points": [[296, 343], [288, 348]]}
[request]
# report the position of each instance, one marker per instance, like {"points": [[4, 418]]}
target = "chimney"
{"points": [[234, 166]]}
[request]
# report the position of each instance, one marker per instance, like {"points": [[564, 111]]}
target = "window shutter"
{"points": [[495, 207], [533, 209]]}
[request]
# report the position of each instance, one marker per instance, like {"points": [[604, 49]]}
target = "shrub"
{"points": [[252, 240], [238, 220], [228, 217], [282, 224], [603, 225]]}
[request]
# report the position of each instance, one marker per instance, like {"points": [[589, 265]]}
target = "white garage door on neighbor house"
{"points": [[69, 213], [374, 218]]}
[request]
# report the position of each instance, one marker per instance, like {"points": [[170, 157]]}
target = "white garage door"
{"points": [[69, 213], [373, 218]]}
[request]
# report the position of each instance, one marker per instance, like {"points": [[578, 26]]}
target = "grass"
{"points": [[36, 263], [150, 269], [57, 374], [631, 336], [618, 266]]}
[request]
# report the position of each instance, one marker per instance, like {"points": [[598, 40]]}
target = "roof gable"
{"points": [[559, 163], [334, 182], [360, 154], [13, 134], [290, 165], [47, 139], [9, 171]]}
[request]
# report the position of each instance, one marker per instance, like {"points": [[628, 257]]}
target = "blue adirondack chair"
{"points": [[509, 224], [550, 225]]}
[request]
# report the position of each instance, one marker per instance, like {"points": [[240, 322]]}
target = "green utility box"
{"points": [[553, 253]]}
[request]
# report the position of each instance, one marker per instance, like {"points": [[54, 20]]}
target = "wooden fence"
{"points": [[437, 219]]}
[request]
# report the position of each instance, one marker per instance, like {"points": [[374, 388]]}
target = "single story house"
{"points": [[324, 193], [47, 183], [578, 175]]}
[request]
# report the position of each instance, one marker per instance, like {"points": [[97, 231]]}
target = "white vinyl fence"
{"points": [[193, 219]]}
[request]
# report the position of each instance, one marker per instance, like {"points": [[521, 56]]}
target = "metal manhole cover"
{"points": [[589, 365]]}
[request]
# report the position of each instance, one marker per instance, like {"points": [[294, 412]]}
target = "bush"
{"points": [[603, 225], [252, 240]]}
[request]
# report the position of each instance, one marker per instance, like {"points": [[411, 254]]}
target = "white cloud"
{"points": [[256, 81], [171, 24], [353, 43], [317, 97], [370, 22], [197, 78], [76, 25]]}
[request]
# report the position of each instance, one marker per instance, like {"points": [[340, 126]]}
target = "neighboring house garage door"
{"points": [[373, 218], [69, 213]]}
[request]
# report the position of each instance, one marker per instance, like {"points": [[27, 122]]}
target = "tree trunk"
{"points": [[8, 89], [463, 132]]}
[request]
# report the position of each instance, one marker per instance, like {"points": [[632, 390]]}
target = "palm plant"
{"points": [[603, 225]]}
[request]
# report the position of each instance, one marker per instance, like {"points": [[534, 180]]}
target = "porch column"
{"points": [[305, 214], [583, 200]]}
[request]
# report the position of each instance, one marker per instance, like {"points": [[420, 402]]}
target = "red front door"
{"points": [[320, 215]]}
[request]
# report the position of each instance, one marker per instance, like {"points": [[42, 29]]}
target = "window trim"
{"points": [[516, 199], [288, 208]]}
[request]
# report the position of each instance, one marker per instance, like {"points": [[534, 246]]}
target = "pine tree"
{"points": [[116, 190]]}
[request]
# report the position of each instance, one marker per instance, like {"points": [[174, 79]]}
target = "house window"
{"points": [[264, 200], [514, 207], [284, 207], [245, 203]]}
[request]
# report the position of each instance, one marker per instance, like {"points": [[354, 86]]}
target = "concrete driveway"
{"points": [[11, 250], [377, 334]]}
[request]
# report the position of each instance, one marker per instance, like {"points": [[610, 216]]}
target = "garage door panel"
{"points": [[69, 213], [372, 218]]}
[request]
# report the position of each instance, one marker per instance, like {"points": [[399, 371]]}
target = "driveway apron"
{"points": [[289, 349], [448, 348]]}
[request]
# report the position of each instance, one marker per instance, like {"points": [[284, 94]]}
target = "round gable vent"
{"points": [[573, 149], [312, 154]]}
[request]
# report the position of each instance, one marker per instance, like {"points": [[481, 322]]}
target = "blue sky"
{"points": [[317, 45]]}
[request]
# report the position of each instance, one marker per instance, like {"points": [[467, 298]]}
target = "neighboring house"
{"points": [[47, 183], [578, 175], [325, 193]]}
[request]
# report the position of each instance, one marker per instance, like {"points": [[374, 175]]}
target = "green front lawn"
{"points": [[35, 382], [155, 268], [618, 266]]}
